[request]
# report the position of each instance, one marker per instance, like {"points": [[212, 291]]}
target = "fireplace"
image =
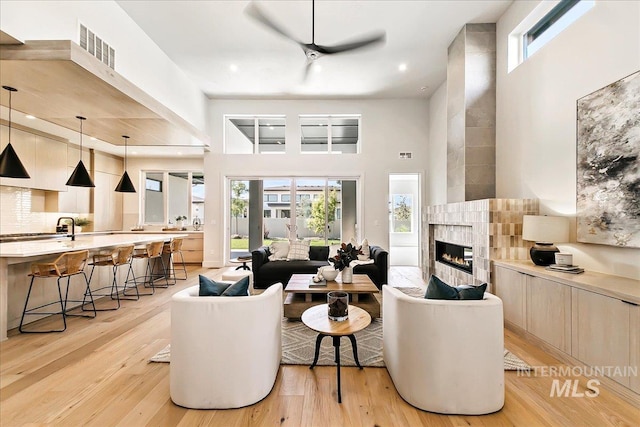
{"points": [[456, 256]]}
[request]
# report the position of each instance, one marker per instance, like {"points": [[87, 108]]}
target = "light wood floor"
{"points": [[96, 373]]}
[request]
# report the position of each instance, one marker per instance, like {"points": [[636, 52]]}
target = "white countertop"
{"points": [[83, 241]]}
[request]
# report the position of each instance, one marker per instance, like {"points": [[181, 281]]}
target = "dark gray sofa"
{"points": [[266, 273]]}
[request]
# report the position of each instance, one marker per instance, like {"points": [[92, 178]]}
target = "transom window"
{"points": [[254, 134], [545, 22], [330, 134]]}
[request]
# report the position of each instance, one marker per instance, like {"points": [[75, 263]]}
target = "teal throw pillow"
{"points": [[210, 288], [238, 289], [437, 289], [471, 292]]}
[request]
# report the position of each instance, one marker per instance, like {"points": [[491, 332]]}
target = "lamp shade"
{"points": [[80, 177], [125, 185], [548, 229], [10, 164]]}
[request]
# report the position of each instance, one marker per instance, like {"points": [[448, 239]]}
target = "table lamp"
{"points": [[544, 230]]}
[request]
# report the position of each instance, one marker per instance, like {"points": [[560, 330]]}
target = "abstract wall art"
{"points": [[608, 164]]}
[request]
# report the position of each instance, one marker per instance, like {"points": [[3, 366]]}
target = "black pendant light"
{"points": [[10, 164], [80, 177], [125, 185]]}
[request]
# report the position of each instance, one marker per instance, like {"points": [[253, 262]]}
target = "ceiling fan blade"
{"points": [[256, 13], [345, 47]]}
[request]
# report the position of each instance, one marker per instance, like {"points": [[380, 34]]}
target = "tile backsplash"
{"points": [[22, 210]]}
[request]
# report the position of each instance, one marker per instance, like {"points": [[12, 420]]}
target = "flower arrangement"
{"points": [[346, 253], [181, 218]]}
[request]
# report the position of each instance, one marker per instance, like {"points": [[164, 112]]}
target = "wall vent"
{"points": [[97, 47], [406, 155]]}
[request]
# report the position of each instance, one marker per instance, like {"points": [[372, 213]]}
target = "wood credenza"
{"points": [[594, 318]]}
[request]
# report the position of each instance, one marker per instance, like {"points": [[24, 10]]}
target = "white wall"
{"points": [[138, 58], [437, 160], [536, 113], [388, 127]]}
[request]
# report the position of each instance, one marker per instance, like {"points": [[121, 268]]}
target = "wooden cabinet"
{"points": [[602, 332], [510, 286], [549, 312], [593, 317], [192, 248], [107, 203], [50, 155], [42, 157]]}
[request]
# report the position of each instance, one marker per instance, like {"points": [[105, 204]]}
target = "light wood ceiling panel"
{"points": [[58, 80]]}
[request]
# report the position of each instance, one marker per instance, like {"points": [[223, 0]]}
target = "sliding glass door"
{"points": [[321, 210]]}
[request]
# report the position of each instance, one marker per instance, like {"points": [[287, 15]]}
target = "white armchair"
{"points": [[225, 351], [445, 356]]}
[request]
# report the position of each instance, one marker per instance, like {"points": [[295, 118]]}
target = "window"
{"points": [[153, 184], [171, 194], [270, 197], [285, 198], [330, 134], [267, 214], [544, 23], [254, 134]]}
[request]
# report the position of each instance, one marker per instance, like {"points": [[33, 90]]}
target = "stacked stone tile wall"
{"points": [[492, 227]]}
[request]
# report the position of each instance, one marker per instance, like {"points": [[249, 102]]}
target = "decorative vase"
{"points": [[338, 304], [179, 224], [347, 275]]}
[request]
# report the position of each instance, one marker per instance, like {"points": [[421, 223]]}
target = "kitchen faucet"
{"points": [[73, 226]]}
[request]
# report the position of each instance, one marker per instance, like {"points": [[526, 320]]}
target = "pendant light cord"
{"points": [[10, 117], [313, 21]]}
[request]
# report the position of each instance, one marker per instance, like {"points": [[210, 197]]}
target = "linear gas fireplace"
{"points": [[456, 256]]}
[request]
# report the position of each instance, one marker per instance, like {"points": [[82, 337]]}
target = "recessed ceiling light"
{"points": [[271, 127], [134, 152], [179, 153], [93, 138], [402, 67], [233, 67], [29, 116], [424, 88]]}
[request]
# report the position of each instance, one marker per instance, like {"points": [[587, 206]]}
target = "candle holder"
{"points": [[338, 303]]}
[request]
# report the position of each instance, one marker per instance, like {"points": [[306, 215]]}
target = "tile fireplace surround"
{"points": [[492, 227]]}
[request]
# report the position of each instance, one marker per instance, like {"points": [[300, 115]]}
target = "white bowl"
{"points": [[330, 274]]}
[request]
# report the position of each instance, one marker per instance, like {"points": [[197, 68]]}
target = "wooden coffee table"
{"points": [[317, 318], [300, 296]]}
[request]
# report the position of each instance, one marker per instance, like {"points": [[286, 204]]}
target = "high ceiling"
{"points": [[230, 55]]}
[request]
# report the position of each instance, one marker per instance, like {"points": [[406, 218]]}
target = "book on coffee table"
{"points": [[320, 284]]}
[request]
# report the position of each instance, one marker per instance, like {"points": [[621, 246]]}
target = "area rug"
{"points": [[298, 345]]}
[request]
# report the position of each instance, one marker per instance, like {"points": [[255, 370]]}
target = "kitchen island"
{"points": [[16, 259]]}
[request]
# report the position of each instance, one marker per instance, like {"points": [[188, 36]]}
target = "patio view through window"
{"points": [[321, 210]]}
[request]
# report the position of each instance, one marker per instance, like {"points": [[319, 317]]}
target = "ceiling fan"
{"points": [[312, 50]]}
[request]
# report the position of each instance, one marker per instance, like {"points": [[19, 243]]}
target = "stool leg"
{"points": [[144, 281], [184, 267], [170, 271], [126, 282], [28, 311], [84, 299]]}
